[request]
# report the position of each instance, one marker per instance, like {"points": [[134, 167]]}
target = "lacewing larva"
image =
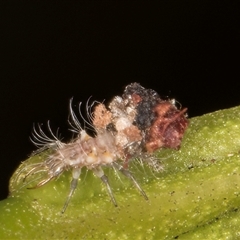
{"points": [[131, 126]]}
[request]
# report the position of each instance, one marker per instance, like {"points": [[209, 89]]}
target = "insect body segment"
{"points": [[131, 126]]}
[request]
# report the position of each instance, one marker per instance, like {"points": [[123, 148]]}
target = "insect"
{"points": [[133, 125]]}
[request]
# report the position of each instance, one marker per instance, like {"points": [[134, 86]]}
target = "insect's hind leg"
{"points": [[130, 176], [75, 174], [99, 173]]}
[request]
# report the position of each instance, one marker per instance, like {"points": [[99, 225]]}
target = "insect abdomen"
{"points": [[89, 153]]}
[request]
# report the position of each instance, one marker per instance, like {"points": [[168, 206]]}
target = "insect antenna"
{"points": [[43, 182], [21, 175], [36, 169], [25, 184]]}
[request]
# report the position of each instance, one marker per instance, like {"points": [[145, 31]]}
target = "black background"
{"points": [[188, 50]]}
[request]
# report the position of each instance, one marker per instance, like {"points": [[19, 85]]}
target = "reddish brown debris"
{"points": [[141, 121], [161, 123], [168, 127], [101, 116]]}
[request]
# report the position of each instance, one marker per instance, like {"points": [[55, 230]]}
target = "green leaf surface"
{"points": [[195, 197]]}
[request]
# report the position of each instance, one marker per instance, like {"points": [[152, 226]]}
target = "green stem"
{"points": [[197, 194]]}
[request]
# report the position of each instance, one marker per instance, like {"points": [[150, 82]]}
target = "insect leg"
{"points": [[99, 173], [130, 176], [75, 174]]}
